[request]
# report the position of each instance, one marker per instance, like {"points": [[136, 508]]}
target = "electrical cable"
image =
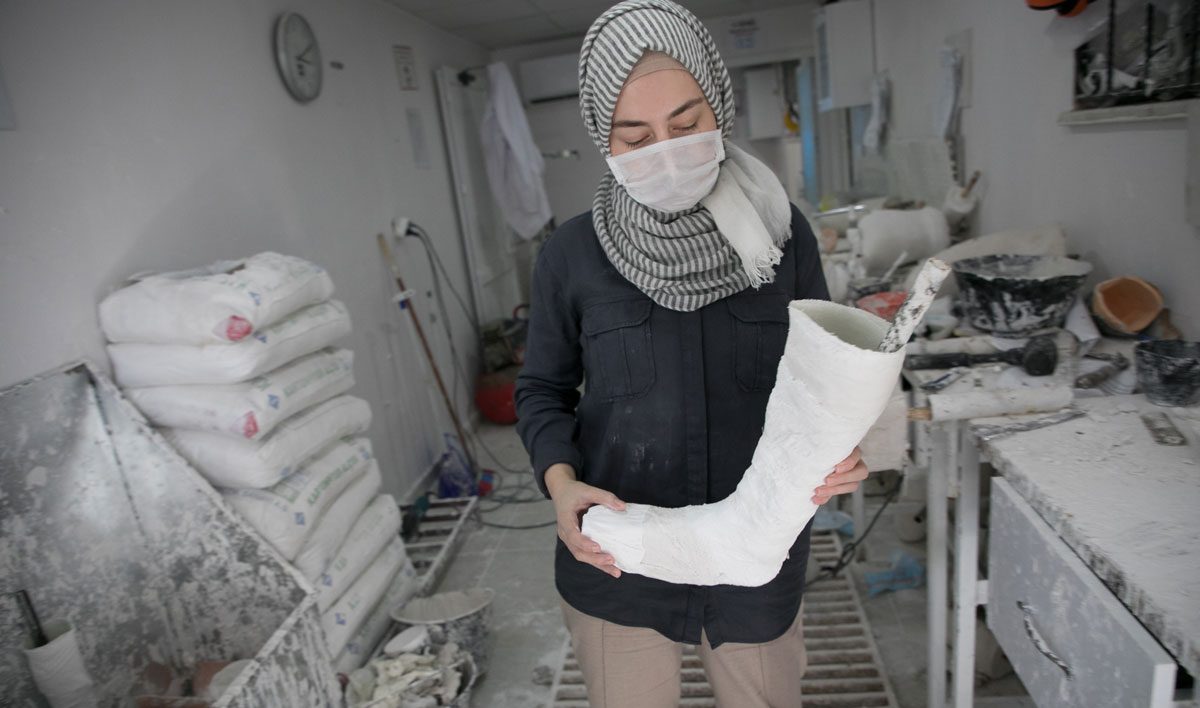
{"points": [[525, 527], [521, 493], [431, 253], [847, 554]]}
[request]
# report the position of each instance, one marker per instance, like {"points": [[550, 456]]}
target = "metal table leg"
{"points": [[966, 564], [941, 465]]}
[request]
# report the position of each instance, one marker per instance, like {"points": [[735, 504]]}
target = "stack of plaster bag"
{"points": [[236, 364]]}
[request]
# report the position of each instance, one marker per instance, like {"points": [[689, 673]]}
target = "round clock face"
{"points": [[298, 57]]}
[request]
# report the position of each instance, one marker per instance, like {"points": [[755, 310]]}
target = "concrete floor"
{"points": [[527, 630]]}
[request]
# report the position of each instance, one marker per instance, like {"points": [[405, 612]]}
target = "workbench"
{"points": [[1093, 586]]}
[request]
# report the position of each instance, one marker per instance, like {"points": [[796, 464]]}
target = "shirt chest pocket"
{"points": [[760, 325], [618, 350]]}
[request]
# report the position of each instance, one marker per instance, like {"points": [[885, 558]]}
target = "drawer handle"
{"points": [[1038, 642]]}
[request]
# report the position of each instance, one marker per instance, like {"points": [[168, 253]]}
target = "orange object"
{"points": [[1127, 303]]}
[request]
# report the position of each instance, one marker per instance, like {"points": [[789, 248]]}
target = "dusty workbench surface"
{"points": [[1128, 506]]}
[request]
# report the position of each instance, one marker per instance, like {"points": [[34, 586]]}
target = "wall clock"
{"points": [[298, 57]]}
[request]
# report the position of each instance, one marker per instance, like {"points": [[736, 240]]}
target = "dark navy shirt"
{"points": [[672, 408]]}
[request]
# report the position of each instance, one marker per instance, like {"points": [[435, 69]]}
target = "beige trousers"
{"points": [[634, 667]]}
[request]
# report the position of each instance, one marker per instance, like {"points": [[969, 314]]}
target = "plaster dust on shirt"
{"points": [[831, 386]]}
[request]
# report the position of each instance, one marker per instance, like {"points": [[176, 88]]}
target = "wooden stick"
{"points": [[971, 184], [910, 314]]}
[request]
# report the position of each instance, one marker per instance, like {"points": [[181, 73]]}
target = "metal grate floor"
{"points": [[844, 670]]}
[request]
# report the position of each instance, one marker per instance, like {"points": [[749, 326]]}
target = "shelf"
{"points": [[1140, 113]]}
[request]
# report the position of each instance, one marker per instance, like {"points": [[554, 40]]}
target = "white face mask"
{"points": [[671, 175]]}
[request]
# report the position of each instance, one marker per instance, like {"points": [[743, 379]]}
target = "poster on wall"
{"points": [[406, 67]]}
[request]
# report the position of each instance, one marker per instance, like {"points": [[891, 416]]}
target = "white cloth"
{"points": [[873, 134], [749, 205], [513, 161], [945, 111]]}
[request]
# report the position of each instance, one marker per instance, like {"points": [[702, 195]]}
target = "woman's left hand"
{"points": [[844, 478]]}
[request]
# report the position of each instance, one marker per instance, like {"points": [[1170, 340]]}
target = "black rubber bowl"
{"points": [[1015, 295], [1169, 372]]}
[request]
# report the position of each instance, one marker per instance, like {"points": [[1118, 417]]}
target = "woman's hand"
{"points": [[844, 478], [571, 499]]}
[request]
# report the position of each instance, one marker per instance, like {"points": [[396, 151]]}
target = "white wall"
{"points": [[157, 135], [1117, 190]]}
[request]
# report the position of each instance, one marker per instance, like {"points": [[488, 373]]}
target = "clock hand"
{"points": [[304, 53]]}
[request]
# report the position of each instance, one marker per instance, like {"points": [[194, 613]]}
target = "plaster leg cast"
{"points": [[832, 383]]}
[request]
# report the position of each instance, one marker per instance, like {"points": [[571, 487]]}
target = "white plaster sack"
{"points": [[58, 670], [232, 462], [253, 408], [831, 386], [287, 512], [223, 302], [378, 525], [303, 332], [323, 543], [341, 621], [360, 645]]}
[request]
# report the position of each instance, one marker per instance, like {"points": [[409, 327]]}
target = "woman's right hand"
{"points": [[571, 499]]}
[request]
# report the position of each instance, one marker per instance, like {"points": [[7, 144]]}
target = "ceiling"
{"points": [[504, 23]]}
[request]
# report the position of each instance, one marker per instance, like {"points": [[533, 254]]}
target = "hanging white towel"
{"points": [[514, 162]]}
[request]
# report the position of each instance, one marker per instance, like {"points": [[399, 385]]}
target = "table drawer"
{"points": [[1068, 637]]}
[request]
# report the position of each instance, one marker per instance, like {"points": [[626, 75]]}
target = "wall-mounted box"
{"points": [[845, 54]]}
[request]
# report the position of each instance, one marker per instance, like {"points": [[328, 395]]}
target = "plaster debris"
{"points": [[413, 680]]}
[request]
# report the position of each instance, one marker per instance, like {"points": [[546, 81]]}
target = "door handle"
{"points": [[1039, 642]]}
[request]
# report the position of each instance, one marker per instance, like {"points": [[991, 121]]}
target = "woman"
{"points": [[669, 298]]}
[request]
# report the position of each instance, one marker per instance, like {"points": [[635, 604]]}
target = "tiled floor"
{"points": [[527, 629]]}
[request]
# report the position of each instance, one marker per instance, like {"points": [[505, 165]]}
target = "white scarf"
{"points": [[752, 210]]}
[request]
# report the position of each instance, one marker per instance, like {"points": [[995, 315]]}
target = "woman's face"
{"points": [[658, 106]]}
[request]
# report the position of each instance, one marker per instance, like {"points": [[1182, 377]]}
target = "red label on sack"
{"points": [[249, 426], [236, 328]]}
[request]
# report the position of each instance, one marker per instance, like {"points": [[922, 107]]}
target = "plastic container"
{"points": [[1169, 372]]}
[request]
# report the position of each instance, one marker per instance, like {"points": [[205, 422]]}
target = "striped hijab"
{"points": [[680, 260]]}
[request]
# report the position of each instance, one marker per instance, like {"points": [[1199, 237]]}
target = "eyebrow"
{"points": [[638, 123]]}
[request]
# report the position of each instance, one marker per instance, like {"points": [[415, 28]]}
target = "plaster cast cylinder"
{"points": [[986, 404], [58, 670], [830, 387]]}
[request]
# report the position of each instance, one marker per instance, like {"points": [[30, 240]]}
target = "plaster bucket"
{"points": [[1169, 372], [1018, 295], [460, 616]]}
